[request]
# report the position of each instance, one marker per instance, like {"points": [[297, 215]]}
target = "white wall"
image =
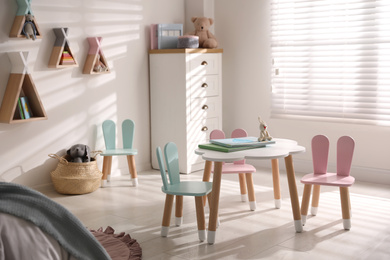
{"points": [[242, 30], [77, 104]]}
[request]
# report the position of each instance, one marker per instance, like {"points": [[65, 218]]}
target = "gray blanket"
{"points": [[53, 219]]}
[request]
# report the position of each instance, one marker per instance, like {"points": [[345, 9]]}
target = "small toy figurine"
{"points": [[79, 153], [264, 135], [29, 29]]}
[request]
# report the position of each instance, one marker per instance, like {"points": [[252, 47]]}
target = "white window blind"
{"points": [[331, 60]]}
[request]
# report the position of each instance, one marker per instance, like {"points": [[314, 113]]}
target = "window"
{"points": [[331, 60]]}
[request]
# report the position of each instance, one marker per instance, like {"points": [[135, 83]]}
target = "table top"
{"points": [[281, 148]]}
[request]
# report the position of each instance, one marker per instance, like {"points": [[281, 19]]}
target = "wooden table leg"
{"points": [[206, 176], [251, 191], [276, 183], [214, 204], [132, 169], [292, 185]]}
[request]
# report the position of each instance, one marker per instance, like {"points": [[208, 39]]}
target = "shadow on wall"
{"points": [[76, 103], [17, 174]]}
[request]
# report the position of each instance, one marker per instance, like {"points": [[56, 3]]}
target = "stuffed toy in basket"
{"points": [[76, 178]]}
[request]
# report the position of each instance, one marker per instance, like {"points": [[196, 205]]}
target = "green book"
{"points": [[20, 109], [224, 149]]}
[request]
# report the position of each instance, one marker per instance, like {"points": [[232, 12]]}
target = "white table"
{"points": [[283, 148]]}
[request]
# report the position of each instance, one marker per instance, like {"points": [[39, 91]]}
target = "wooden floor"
{"points": [[266, 233]]}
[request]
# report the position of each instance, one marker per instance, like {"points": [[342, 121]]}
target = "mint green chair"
{"points": [[109, 133], [174, 187]]}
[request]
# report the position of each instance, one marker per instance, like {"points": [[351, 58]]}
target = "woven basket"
{"points": [[75, 178]]}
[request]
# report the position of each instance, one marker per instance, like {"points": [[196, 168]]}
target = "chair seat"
{"points": [[119, 151], [237, 168], [189, 188], [329, 179]]}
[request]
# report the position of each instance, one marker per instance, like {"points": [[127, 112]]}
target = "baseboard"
{"points": [[373, 175]]}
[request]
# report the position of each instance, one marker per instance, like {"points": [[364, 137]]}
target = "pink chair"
{"points": [[341, 179], [244, 170]]}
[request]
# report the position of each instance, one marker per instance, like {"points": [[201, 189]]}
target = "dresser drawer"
{"points": [[204, 86], [204, 64], [205, 107], [200, 130]]}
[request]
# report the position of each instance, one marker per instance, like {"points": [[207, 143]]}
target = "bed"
{"points": [[32, 226]]}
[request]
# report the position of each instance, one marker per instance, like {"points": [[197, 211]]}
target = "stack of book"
{"points": [[234, 144], [165, 36], [66, 58], [24, 108]]}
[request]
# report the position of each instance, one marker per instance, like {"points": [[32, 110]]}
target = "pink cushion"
{"points": [[329, 179]]}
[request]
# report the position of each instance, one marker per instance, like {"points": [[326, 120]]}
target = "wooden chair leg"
{"points": [[251, 191], [200, 218], [315, 199], [276, 183], [241, 177], [305, 202], [210, 205], [132, 169], [179, 211], [345, 207], [167, 215], [107, 161], [206, 175]]}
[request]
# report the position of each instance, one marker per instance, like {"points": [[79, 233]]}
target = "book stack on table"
{"points": [[234, 144]]}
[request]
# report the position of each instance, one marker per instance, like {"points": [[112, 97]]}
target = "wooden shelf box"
{"points": [[20, 83], [61, 48], [95, 57], [24, 8]]}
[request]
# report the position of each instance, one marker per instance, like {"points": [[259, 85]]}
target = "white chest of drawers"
{"points": [[185, 100]]}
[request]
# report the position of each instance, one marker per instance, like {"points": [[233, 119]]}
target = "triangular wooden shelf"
{"points": [[61, 44], [17, 27], [24, 8], [94, 56], [20, 83]]}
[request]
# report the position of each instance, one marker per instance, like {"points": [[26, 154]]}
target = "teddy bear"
{"points": [[206, 38], [79, 153]]}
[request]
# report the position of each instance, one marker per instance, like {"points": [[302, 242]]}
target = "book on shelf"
{"points": [[20, 109], [26, 109], [249, 141], [66, 58]]}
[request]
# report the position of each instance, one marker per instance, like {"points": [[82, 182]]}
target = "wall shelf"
{"points": [[95, 58], [20, 83], [24, 8], [61, 55]]}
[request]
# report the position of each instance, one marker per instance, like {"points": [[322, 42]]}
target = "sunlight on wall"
{"points": [[76, 103]]}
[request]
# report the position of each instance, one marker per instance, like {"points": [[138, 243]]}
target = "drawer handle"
{"points": [[204, 63], [204, 129], [205, 107], [204, 85]]}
